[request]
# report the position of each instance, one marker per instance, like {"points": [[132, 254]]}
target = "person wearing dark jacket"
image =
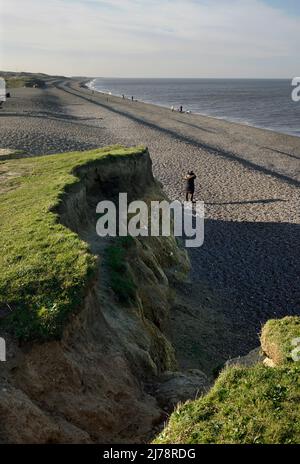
{"points": [[190, 185]]}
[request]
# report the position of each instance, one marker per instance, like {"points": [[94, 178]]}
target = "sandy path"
{"points": [[248, 269]]}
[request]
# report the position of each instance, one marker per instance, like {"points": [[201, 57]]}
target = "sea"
{"points": [[264, 103]]}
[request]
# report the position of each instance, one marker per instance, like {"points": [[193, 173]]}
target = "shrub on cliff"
{"points": [[23, 81], [121, 280]]}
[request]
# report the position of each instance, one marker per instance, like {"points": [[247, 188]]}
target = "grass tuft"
{"points": [[122, 281], [277, 339]]}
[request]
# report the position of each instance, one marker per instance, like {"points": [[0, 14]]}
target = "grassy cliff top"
{"points": [[16, 82], [44, 266], [279, 339], [24, 79], [256, 405]]}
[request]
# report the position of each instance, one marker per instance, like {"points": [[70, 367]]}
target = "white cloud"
{"points": [[150, 38]]}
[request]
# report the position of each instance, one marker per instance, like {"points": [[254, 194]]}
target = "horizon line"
{"points": [[146, 77]]}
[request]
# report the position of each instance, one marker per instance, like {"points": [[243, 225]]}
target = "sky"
{"points": [[152, 38]]}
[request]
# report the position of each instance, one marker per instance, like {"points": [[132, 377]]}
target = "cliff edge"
{"points": [[85, 318]]}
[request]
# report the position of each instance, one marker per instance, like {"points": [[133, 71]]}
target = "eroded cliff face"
{"points": [[107, 379]]}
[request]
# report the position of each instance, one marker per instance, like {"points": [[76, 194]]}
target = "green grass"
{"points": [[277, 336], [258, 405], [16, 82], [255, 405], [44, 267], [120, 278]]}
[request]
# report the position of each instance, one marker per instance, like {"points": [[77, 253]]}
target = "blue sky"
{"points": [[152, 38], [290, 6]]}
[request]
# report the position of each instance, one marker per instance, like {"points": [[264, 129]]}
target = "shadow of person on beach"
{"points": [[248, 202], [282, 153]]}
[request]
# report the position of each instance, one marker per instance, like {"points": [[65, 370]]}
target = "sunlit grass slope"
{"points": [[255, 405], [44, 267]]}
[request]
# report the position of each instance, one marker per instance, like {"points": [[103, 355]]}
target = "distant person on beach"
{"points": [[172, 108], [190, 185], [181, 109], [131, 98], [123, 96]]}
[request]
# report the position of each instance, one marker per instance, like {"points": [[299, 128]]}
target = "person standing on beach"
{"points": [[190, 185], [181, 109], [131, 98]]}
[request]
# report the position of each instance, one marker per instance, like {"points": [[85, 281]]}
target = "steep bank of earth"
{"points": [[85, 318]]}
